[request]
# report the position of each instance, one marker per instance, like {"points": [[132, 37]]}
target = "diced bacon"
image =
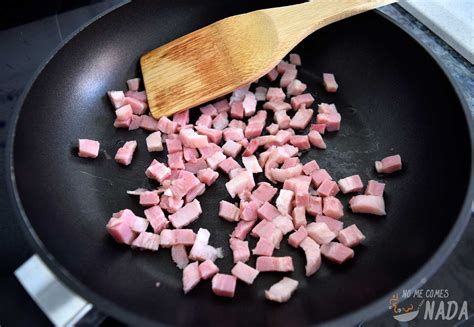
{"points": [[228, 211], [222, 106], [281, 291], [299, 216], [351, 236], [310, 167], [242, 229], [179, 256], [284, 201], [275, 94], [264, 247], [147, 241], [326, 108], [214, 160], [137, 95], [209, 150], [237, 124], [201, 250], [154, 142], [117, 98], [389, 164], [277, 105], [283, 223], [231, 148], [186, 215], [149, 123], [254, 129], [316, 140], [300, 141], [196, 165], [251, 164], [272, 129], [207, 176], [299, 184], [171, 237], [209, 110], [295, 59], [239, 183], [251, 148], [288, 76], [350, 184], [135, 122], [138, 107], [88, 148], [233, 133], [301, 119], [320, 232], [148, 199], [297, 237], [331, 120], [124, 112], [329, 82], [132, 84], [121, 231], [312, 254], [296, 87], [290, 162], [337, 252], [244, 272], [220, 121], [280, 175], [181, 118], [332, 207], [282, 264], [283, 66], [190, 154], [167, 126], [208, 269], [264, 192], [175, 160], [196, 191], [224, 285], [261, 93], [213, 135], [204, 120], [267, 211], [272, 75], [237, 110], [319, 176], [191, 276], [122, 123], [374, 188], [139, 225], [298, 101], [250, 104], [124, 155], [333, 224], [157, 218], [191, 139], [243, 142], [320, 128], [328, 188], [240, 250], [266, 229], [171, 203], [239, 94], [315, 206], [248, 210], [233, 173], [368, 204], [173, 145]]}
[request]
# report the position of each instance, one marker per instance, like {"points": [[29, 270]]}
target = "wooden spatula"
{"points": [[217, 59]]}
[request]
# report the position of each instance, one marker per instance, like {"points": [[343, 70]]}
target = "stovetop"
{"points": [[26, 45]]}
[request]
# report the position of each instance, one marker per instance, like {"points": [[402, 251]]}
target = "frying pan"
{"points": [[394, 98]]}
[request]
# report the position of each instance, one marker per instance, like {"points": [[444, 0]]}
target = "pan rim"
{"points": [[370, 310]]}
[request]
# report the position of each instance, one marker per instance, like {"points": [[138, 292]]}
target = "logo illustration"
{"points": [[405, 313]]}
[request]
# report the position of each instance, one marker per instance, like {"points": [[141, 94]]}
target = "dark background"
{"points": [[29, 33]]}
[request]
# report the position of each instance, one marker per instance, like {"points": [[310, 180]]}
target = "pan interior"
{"points": [[393, 99]]}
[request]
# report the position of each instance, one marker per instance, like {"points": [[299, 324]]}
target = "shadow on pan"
{"points": [[394, 98]]}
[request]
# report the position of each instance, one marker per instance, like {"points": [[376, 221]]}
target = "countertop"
{"points": [[27, 46]]}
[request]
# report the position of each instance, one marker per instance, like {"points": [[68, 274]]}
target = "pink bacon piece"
{"points": [[330, 82], [297, 237], [389, 164], [191, 276], [281, 264], [264, 247], [374, 188], [245, 273], [305, 99], [296, 87], [240, 250], [186, 215], [228, 211], [208, 269], [207, 176], [350, 184], [371, 204], [88, 148], [224, 285], [332, 207], [351, 236], [172, 237], [179, 256], [312, 254], [281, 292], [337, 252], [320, 232], [302, 118], [242, 229], [147, 241], [124, 155]]}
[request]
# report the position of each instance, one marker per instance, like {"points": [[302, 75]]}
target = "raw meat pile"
{"points": [[229, 130]]}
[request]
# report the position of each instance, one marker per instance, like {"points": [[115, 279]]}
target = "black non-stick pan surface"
{"points": [[393, 97]]}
